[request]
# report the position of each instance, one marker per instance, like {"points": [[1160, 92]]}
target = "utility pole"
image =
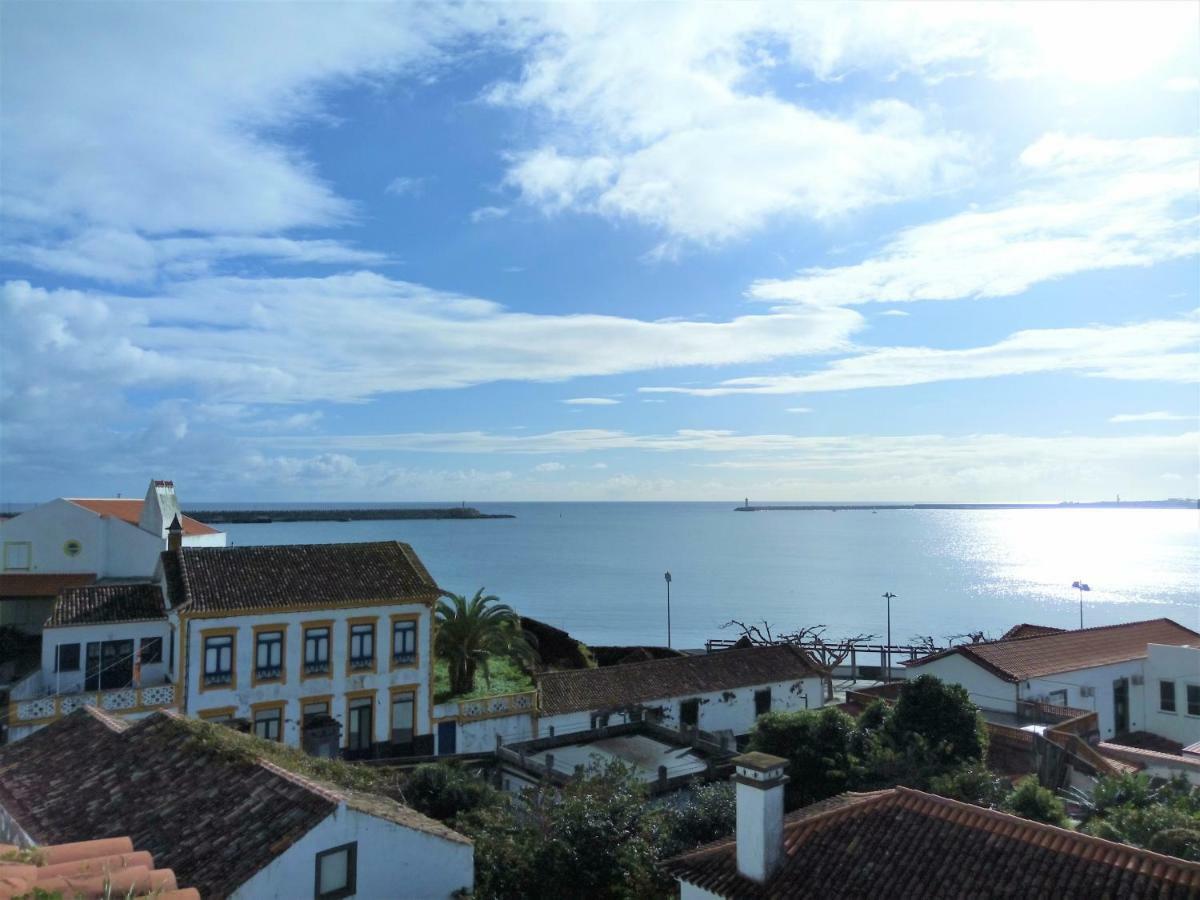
{"points": [[667, 578], [889, 597]]}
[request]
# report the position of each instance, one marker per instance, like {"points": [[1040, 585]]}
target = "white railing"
{"points": [[120, 700]]}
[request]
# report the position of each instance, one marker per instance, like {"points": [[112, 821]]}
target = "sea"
{"points": [[597, 569]]}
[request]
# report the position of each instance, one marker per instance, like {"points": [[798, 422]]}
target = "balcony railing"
{"points": [[498, 705], [217, 678], [317, 667], [268, 673], [362, 662], [404, 659], [121, 700]]}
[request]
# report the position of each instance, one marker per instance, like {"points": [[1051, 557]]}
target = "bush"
{"points": [[944, 716], [1032, 801], [1181, 842], [972, 784], [444, 791], [816, 744], [711, 814]]}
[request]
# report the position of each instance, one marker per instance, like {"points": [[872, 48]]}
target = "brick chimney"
{"points": [[175, 534], [759, 778]]}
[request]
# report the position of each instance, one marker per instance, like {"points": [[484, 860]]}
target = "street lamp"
{"points": [[1081, 587], [889, 597], [667, 578]]}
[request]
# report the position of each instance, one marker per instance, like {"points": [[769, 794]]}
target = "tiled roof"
{"points": [[18, 585], [131, 511], [211, 813], [84, 870], [213, 579], [107, 603], [1027, 630], [1046, 654], [904, 843], [611, 687]]}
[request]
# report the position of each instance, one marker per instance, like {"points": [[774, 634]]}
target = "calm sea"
{"points": [[596, 569]]}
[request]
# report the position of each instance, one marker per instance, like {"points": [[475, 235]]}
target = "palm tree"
{"points": [[471, 631]]}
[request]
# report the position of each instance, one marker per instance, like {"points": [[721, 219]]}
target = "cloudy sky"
{"points": [[487, 252]]}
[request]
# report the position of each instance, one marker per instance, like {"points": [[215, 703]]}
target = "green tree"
{"points": [[816, 744], [469, 632], [711, 813], [944, 716], [1032, 801], [1133, 810], [971, 784], [446, 791]]}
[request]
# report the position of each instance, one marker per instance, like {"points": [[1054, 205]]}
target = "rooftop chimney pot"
{"points": [[759, 780]]}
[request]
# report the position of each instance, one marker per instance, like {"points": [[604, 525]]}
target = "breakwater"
{"points": [[267, 516], [1099, 504]]}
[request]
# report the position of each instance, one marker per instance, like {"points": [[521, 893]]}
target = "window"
{"points": [[18, 555], [1057, 698], [762, 701], [361, 731], [1166, 696], [403, 715], [218, 660], [1193, 699], [268, 723], [404, 642], [67, 658], [336, 872], [151, 649], [362, 646], [689, 713], [311, 709], [316, 650], [268, 655]]}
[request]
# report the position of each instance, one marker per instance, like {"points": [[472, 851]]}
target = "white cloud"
{"points": [[799, 409], [1160, 416], [405, 186], [1161, 350], [488, 214], [894, 312], [549, 467], [1095, 204], [592, 401]]}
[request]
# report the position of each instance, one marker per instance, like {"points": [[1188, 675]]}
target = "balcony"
{"points": [[42, 710], [317, 667], [268, 673], [216, 679], [404, 659], [358, 663]]}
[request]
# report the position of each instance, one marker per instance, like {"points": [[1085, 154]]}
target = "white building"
{"points": [[1173, 692], [1106, 670], [723, 691], [222, 816], [78, 541], [302, 641]]}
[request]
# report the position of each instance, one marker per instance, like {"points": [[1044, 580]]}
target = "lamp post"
{"points": [[1081, 587], [667, 578], [889, 597]]}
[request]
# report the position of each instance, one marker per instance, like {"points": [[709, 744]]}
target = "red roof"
{"points": [[131, 511], [87, 869], [1046, 654], [16, 585]]}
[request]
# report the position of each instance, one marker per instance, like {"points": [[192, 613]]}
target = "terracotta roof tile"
{"points": [[18, 585], [131, 511], [904, 843], [212, 579], [1046, 654], [611, 687], [135, 602], [1027, 630], [212, 815], [86, 870]]}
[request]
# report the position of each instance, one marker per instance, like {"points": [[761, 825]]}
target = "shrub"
{"points": [[444, 791], [944, 716], [710, 814], [816, 744], [1032, 801], [971, 784]]}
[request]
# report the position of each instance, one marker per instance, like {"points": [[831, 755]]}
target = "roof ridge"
{"points": [[1069, 836], [669, 659], [115, 724], [1035, 637], [320, 788]]}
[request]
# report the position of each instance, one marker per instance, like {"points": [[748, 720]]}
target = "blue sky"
{"points": [[615, 251]]}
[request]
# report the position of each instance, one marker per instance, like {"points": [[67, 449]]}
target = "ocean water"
{"points": [[596, 569]]}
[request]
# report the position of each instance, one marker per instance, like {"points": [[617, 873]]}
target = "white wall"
{"points": [[393, 861], [689, 891], [71, 682], [1100, 682], [243, 693], [479, 736], [731, 710], [1181, 665]]}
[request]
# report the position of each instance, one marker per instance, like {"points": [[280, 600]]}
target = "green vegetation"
{"points": [[1132, 810], [471, 634], [932, 732], [1032, 801], [504, 676], [445, 791], [27, 856]]}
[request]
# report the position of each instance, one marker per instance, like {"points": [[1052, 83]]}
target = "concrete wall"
{"points": [[1181, 665], [393, 861], [479, 736], [295, 685], [71, 682], [731, 710]]}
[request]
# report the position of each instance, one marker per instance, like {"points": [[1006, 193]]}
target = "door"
{"points": [[447, 738], [1121, 705], [109, 665], [361, 728]]}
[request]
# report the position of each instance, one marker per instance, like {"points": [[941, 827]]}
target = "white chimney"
{"points": [[759, 778], [159, 508]]}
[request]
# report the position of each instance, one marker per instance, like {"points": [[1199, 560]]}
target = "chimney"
{"points": [[158, 507], [759, 778], [175, 534]]}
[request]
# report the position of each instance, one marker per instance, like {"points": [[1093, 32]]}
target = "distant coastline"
{"points": [[1097, 504], [268, 516]]}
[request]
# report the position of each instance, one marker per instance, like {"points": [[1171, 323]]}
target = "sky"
{"points": [[488, 252]]}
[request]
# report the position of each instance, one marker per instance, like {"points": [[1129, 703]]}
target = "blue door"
{"points": [[447, 738]]}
